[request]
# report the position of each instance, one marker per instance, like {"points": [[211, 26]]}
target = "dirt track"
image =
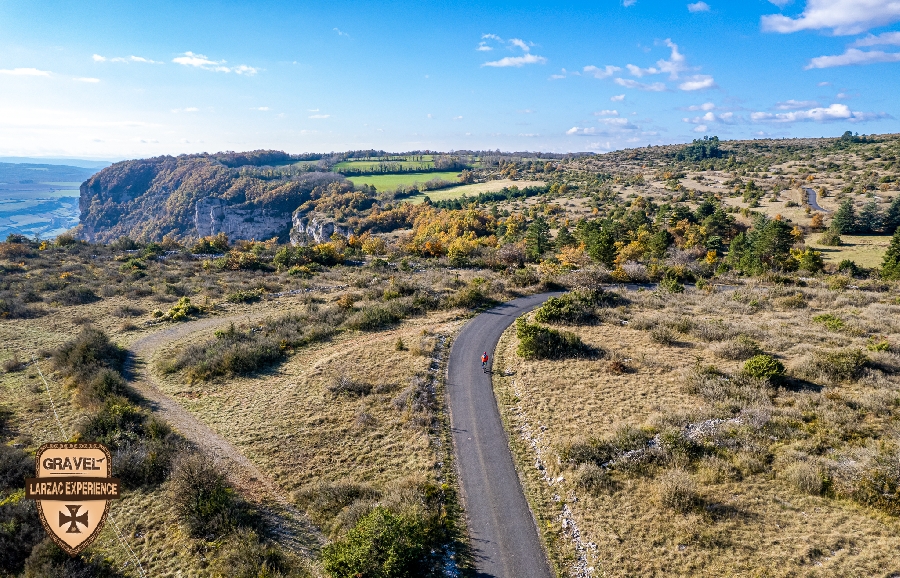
{"points": [[287, 524]]}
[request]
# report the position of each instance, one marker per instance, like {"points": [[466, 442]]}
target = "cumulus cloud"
{"points": [[24, 72], [86, 79], [604, 72], [607, 113], [701, 128], [617, 98], [483, 47], [835, 112], [520, 44], [697, 82], [628, 83], [843, 17], [202, 61], [491, 37], [853, 56], [620, 123], [516, 61], [704, 106], [698, 7], [886, 39]]}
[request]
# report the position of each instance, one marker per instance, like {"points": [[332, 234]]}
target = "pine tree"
{"points": [[845, 219], [890, 267], [564, 238], [537, 239], [869, 219], [891, 221]]}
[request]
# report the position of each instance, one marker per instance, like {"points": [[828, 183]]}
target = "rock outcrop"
{"points": [[313, 228], [214, 216]]}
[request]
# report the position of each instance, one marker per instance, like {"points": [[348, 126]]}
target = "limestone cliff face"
{"points": [[312, 228], [214, 216]]}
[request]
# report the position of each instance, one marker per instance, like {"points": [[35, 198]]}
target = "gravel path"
{"points": [[502, 529], [287, 525]]}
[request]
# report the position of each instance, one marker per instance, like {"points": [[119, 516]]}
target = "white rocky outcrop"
{"points": [[312, 228]]}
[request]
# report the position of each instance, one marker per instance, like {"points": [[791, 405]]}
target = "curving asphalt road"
{"points": [[811, 200], [502, 529]]}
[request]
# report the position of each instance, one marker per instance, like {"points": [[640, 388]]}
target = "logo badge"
{"points": [[72, 491]]}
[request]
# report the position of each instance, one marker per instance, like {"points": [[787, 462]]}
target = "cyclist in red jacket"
{"points": [[484, 360]]}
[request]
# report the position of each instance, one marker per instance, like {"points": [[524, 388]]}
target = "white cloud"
{"points": [[620, 123], [604, 72], [483, 47], [132, 58], [312, 110], [853, 56], [85, 79], [491, 37], [521, 44], [704, 106], [698, 7], [824, 84], [796, 104], [627, 3], [640, 72], [886, 39], [628, 83], [842, 95], [676, 62], [322, 115], [607, 113], [835, 112], [429, 115], [843, 17], [457, 118], [340, 32], [25, 72], [701, 128], [201, 61], [516, 61], [559, 76], [697, 82], [781, 3], [617, 98]]}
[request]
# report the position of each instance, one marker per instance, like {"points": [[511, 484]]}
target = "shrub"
{"points": [[201, 495], [593, 478], [88, 353], [537, 342], [13, 364], [182, 310], [383, 545], [76, 296], [575, 308], [671, 285], [740, 348], [663, 336], [242, 555], [372, 317], [830, 322], [602, 452], [831, 238], [676, 490], [211, 245], [344, 385], [20, 528], [806, 477], [715, 330], [324, 501], [763, 367], [245, 296], [835, 366], [15, 466], [47, 560], [103, 383]]}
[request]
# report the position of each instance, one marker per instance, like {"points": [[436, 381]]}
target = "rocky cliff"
{"points": [[312, 228], [240, 194]]}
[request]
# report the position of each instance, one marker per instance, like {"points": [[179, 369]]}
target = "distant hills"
{"points": [[80, 163]]}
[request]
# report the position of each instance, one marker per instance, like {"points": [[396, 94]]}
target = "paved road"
{"points": [[502, 530], [811, 200]]}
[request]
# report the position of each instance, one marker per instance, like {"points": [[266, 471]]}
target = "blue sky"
{"points": [[127, 79]]}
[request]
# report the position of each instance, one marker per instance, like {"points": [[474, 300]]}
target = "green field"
{"points": [[391, 182], [473, 190], [864, 250]]}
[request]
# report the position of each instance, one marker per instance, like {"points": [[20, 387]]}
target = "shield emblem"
{"points": [[72, 491]]}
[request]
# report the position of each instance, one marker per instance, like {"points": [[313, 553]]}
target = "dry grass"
{"points": [[864, 250], [741, 504]]}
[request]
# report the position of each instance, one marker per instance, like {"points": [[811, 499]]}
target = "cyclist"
{"points": [[484, 360]]}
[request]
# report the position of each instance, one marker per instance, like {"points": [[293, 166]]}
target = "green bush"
{"points": [[47, 560], [671, 285], [763, 367], [87, 354], [836, 366], [76, 296], [242, 555], [575, 308], [383, 545], [373, 317], [20, 528], [829, 321], [182, 310], [538, 342], [602, 451], [245, 296]]}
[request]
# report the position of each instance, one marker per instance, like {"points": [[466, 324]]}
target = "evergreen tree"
{"points": [[598, 241], [890, 267], [869, 219], [891, 221], [564, 238], [659, 242], [537, 238], [845, 218]]}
